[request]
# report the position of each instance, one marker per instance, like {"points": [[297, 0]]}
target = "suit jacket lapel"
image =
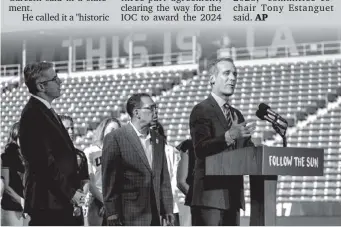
{"points": [[135, 141], [54, 122], [219, 113]]}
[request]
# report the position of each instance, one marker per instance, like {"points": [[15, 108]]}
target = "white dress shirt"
{"points": [[146, 144], [221, 102], [46, 103]]}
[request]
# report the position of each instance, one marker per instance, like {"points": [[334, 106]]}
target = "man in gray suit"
{"points": [[216, 126], [136, 182]]}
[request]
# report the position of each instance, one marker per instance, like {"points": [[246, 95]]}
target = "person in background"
{"points": [[94, 156], [82, 171], [173, 158], [2, 187], [12, 173], [185, 178]]}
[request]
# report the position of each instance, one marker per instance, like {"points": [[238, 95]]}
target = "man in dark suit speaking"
{"points": [[136, 182], [51, 174], [216, 126]]}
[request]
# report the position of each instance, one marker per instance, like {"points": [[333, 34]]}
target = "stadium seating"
{"points": [[292, 89], [89, 99], [324, 132]]}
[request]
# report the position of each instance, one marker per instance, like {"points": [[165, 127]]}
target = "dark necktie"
{"points": [[228, 114]]}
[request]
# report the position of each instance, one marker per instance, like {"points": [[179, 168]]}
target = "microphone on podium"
{"points": [[264, 112]]}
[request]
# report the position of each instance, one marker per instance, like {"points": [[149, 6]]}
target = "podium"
{"points": [[264, 164]]}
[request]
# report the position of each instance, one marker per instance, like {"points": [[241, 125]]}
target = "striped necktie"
{"points": [[228, 114]]}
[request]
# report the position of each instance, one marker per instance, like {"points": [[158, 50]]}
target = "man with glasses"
{"points": [[136, 182], [51, 174]]}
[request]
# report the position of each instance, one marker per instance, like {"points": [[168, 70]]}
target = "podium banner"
{"points": [[293, 162]]}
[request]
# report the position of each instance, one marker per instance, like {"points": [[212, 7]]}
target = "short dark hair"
{"points": [[67, 118], [32, 72], [213, 69], [135, 102]]}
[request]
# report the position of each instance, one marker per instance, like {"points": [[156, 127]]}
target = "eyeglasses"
{"points": [[55, 78], [152, 108]]}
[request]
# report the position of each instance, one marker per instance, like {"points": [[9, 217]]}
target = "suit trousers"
{"points": [[53, 218], [206, 216], [156, 220]]}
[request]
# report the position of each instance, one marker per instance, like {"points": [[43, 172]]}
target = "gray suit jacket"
{"points": [[208, 126], [129, 184]]}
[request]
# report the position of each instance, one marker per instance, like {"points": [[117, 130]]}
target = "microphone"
{"points": [[264, 112], [266, 109]]}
